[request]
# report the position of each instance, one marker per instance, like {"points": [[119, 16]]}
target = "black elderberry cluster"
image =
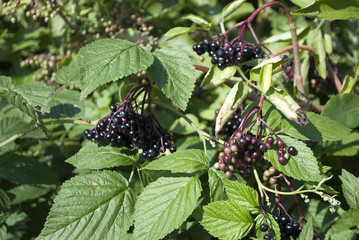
{"points": [[245, 149], [288, 228], [124, 127], [232, 124], [228, 54]]}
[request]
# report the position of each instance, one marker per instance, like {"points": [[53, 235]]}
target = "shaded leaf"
{"points": [[216, 185], [350, 186], [69, 75], [307, 232], [344, 227], [27, 192], [4, 206], [272, 224]]}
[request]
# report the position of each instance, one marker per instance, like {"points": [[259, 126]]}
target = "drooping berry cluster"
{"points": [[232, 124], [125, 127], [231, 53], [288, 229]]}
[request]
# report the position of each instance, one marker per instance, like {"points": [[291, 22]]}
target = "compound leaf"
{"points": [[302, 166], [164, 205], [92, 156], [173, 72], [107, 60], [190, 159], [227, 220], [97, 205]]}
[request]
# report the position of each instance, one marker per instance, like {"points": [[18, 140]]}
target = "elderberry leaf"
{"points": [[319, 53], [32, 99], [4, 206], [350, 186], [186, 160], [97, 205], [319, 128], [173, 72], [197, 19], [272, 225], [216, 185], [25, 170], [164, 205], [243, 194], [302, 166], [178, 31], [215, 76], [255, 71], [68, 75], [343, 108], [28, 192], [346, 227], [92, 156], [330, 9], [107, 60], [227, 220], [307, 232], [5, 83], [230, 8], [265, 77], [235, 97]]}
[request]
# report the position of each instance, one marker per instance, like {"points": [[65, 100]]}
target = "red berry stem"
{"points": [[295, 198]]}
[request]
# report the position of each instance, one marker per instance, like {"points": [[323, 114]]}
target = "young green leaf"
{"points": [[265, 77], [164, 205], [26, 170], [93, 157], [307, 232], [275, 62], [330, 9], [343, 108], [230, 8], [4, 206], [216, 185], [68, 75], [107, 60], [197, 19], [350, 186], [190, 159], [346, 227], [97, 205], [319, 128], [227, 220], [215, 77], [302, 166], [5, 83], [173, 72], [234, 98], [272, 225], [243, 194]]}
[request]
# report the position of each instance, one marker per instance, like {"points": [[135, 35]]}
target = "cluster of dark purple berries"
{"points": [[124, 127], [288, 229], [228, 54], [232, 124], [283, 155]]}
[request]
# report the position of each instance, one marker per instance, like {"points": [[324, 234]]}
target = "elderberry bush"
{"points": [[125, 127], [225, 54]]}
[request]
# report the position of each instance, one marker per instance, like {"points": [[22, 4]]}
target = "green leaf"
{"points": [[272, 224], [31, 98], [307, 232], [227, 220], [178, 31], [243, 194], [5, 83], [26, 170], [348, 84], [347, 147], [27, 192], [331, 9], [10, 126], [230, 8], [197, 19], [65, 104], [319, 53], [107, 60], [216, 185], [4, 206], [235, 97], [285, 36], [320, 128], [327, 37], [343, 108], [302, 3], [345, 226], [97, 205], [173, 72], [215, 76], [186, 160], [93, 157], [265, 77], [302, 166], [255, 71], [164, 205], [350, 186], [69, 75]]}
